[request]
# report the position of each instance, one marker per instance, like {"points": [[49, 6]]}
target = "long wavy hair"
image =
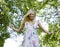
{"points": [[26, 17]]}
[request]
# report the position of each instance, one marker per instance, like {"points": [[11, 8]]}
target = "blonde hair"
{"points": [[26, 17]]}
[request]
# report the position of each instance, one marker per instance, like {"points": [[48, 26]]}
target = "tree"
{"points": [[6, 6]]}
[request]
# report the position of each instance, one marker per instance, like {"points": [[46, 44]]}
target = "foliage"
{"points": [[54, 39], [6, 6]]}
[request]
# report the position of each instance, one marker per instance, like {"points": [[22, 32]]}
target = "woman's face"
{"points": [[32, 16]]}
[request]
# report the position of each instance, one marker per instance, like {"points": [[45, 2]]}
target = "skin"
{"points": [[31, 19]]}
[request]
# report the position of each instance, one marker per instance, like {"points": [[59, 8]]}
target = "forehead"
{"points": [[32, 13]]}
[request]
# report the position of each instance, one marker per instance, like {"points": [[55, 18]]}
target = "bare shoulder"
{"points": [[38, 22]]}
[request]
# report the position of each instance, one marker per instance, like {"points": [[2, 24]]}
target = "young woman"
{"points": [[30, 24]]}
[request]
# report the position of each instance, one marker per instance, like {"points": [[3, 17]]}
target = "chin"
{"points": [[31, 19]]}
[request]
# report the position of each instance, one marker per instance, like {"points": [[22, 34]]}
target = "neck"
{"points": [[31, 20]]}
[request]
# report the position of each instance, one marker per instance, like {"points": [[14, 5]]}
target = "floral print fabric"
{"points": [[30, 35]]}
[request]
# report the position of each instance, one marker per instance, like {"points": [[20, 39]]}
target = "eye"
{"points": [[32, 16], [32, 13]]}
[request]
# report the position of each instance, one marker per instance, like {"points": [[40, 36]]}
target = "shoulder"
{"points": [[37, 19], [26, 23], [38, 22]]}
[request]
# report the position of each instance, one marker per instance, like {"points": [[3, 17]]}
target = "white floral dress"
{"points": [[30, 35]]}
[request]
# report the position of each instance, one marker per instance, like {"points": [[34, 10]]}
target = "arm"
{"points": [[19, 29], [39, 24]]}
